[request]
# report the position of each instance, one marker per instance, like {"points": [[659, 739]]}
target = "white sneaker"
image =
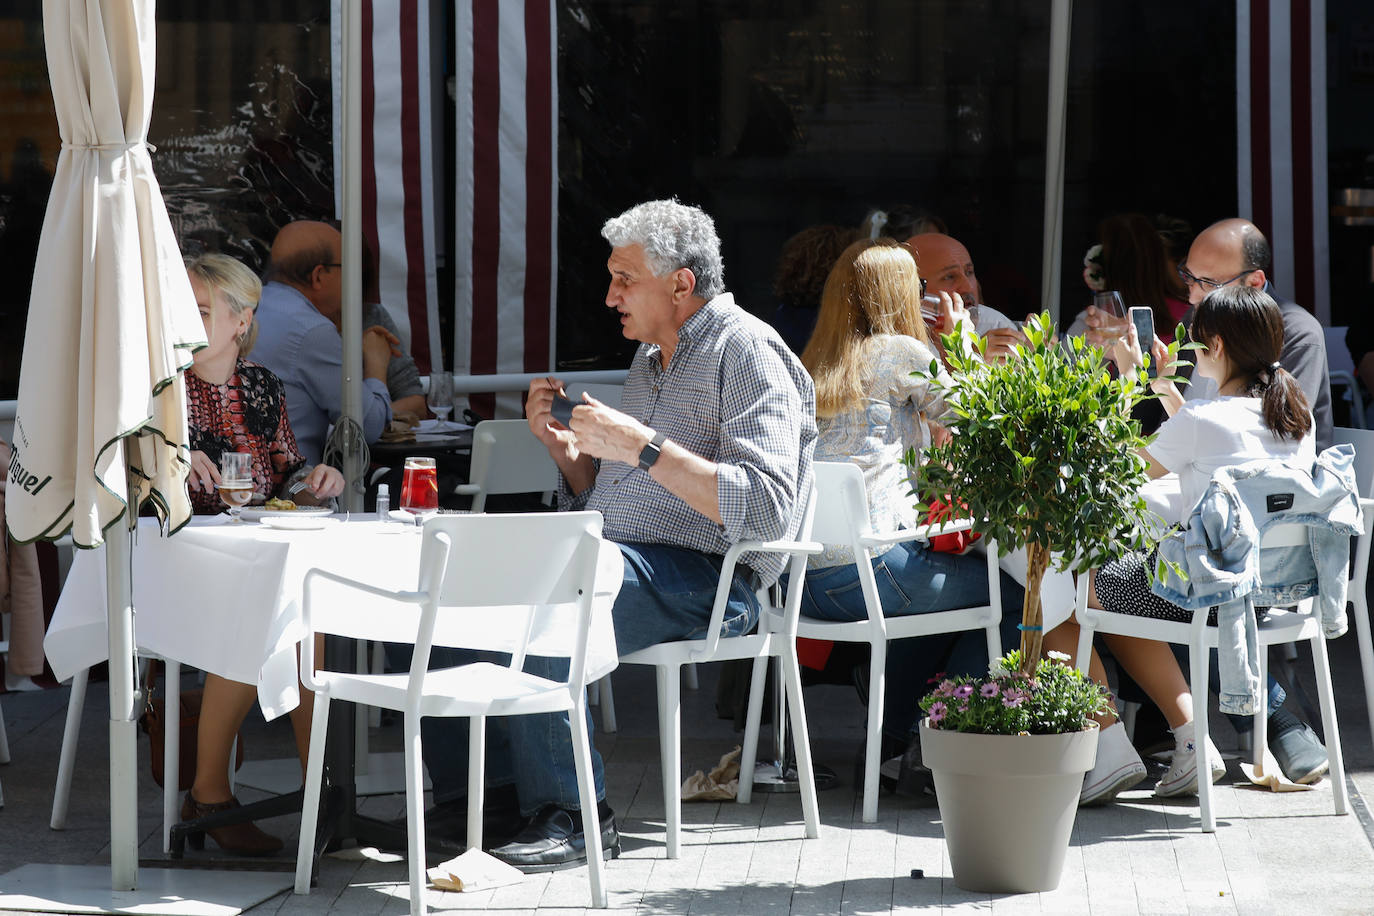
{"points": [[1118, 767], [1181, 779]]}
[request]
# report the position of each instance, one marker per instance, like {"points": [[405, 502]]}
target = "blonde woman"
{"points": [[870, 409], [234, 405]]}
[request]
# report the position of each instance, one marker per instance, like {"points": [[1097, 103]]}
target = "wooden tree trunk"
{"points": [[1032, 617]]}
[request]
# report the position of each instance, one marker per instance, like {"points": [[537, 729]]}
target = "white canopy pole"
{"points": [[1061, 15], [352, 331], [123, 737]]}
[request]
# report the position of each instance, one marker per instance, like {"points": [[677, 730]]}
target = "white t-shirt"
{"points": [[1206, 435]]}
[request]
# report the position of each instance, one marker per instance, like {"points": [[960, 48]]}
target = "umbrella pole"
{"points": [[1061, 20], [123, 738]]}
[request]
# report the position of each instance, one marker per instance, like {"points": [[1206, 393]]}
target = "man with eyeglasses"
{"points": [[1229, 252], [298, 337]]}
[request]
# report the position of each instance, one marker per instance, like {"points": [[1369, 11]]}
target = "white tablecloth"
{"points": [[226, 598]]}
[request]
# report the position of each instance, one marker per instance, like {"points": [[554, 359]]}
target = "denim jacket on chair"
{"points": [[1219, 549]]}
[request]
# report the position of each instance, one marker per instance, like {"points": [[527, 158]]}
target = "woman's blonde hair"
{"points": [[239, 287], [874, 288]]}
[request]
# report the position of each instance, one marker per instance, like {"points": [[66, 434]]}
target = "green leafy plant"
{"points": [[1044, 453], [1054, 698]]}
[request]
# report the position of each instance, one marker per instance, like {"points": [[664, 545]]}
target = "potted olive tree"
{"points": [[1043, 453]]}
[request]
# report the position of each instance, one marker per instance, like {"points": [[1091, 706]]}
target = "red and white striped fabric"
{"points": [[505, 246], [398, 177], [1281, 140]]}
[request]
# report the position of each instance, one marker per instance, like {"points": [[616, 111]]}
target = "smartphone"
{"points": [[562, 409], [1143, 317]]}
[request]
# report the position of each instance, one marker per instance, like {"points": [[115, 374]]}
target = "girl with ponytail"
{"points": [[1259, 412]]}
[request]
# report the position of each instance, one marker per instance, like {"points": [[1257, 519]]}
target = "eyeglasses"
{"points": [[1208, 283]]}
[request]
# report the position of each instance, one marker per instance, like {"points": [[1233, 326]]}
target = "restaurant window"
{"points": [[242, 122], [777, 114]]}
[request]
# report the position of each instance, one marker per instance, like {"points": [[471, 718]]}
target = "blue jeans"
{"points": [[666, 595], [913, 579]]}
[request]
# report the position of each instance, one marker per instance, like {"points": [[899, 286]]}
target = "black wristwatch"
{"points": [[650, 452]]}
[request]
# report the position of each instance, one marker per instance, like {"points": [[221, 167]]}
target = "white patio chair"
{"points": [[507, 458], [1340, 370], [1363, 442], [779, 642], [842, 518], [1276, 627], [470, 565], [171, 754]]}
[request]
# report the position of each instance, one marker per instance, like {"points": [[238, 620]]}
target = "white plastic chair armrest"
{"points": [[307, 654], [727, 575], [468, 489], [882, 540]]}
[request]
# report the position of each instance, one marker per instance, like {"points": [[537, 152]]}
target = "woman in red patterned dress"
{"points": [[237, 406]]}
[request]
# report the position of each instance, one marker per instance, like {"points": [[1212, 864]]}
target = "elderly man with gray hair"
{"points": [[712, 446]]}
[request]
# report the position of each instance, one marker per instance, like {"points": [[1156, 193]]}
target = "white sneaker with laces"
{"points": [[1181, 778], [1118, 767]]}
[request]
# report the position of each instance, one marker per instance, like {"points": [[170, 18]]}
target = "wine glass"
{"points": [[235, 481], [420, 488], [1110, 302], [439, 397]]}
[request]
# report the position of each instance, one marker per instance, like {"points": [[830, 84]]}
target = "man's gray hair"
{"points": [[673, 236]]}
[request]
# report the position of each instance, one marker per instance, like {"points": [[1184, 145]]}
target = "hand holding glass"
{"points": [[236, 481], [1110, 302], [420, 488], [439, 397]]}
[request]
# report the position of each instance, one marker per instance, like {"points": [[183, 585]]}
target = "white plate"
{"points": [[289, 521], [258, 513]]}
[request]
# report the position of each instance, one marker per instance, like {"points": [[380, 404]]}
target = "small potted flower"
{"points": [[1008, 752]]}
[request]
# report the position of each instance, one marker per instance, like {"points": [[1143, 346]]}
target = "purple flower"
{"points": [[937, 713], [963, 691], [945, 689], [1013, 698], [988, 690]]}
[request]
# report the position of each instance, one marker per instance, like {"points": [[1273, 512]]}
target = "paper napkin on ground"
{"points": [[1270, 776], [474, 870], [721, 784]]}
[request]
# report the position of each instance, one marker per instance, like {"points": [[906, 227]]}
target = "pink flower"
{"points": [[937, 713], [963, 691], [988, 690], [1013, 698]]}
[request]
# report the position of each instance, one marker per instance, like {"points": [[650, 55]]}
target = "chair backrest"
{"points": [[841, 503], [1363, 440], [1338, 357], [507, 458]]}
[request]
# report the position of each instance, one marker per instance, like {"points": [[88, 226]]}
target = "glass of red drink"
{"points": [[420, 488]]}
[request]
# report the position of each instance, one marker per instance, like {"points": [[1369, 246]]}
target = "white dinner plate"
{"points": [[258, 513], [289, 521]]}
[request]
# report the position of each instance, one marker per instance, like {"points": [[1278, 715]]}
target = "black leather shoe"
{"points": [[553, 841], [447, 822]]}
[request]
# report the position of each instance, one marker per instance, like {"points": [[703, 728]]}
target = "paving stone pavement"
{"points": [[1272, 854]]}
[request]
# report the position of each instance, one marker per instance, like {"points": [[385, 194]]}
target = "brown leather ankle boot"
{"points": [[245, 839]]}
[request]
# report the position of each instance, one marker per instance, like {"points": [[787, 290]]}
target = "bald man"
{"points": [[947, 267], [298, 337], [1234, 252]]}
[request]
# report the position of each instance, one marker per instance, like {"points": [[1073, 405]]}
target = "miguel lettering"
{"points": [[21, 477]]}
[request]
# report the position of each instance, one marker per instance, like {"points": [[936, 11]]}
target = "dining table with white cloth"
{"points": [[225, 597]]}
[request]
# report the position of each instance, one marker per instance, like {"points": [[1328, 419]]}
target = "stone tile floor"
{"points": [[1278, 854]]}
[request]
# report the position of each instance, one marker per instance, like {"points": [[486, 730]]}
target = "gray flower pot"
{"points": [[1007, 804]]}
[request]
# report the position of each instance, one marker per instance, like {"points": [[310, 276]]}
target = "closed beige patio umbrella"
{"points": [[101, 423]]}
